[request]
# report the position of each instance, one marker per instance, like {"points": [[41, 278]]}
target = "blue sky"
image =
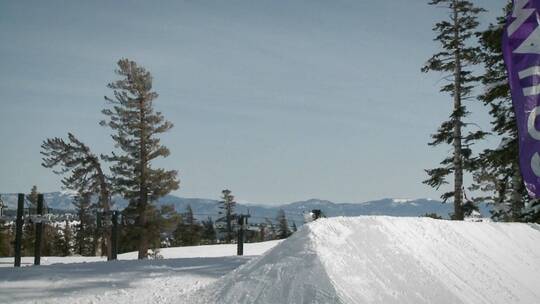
{"points": [[277, 100]]}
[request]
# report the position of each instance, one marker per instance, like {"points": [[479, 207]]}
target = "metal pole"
{"points": [[240, 248], [39, 231], [18, 229], [1, 207], [114, 236]]}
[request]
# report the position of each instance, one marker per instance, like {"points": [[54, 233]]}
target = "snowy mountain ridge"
{"points": [[259, 212]]}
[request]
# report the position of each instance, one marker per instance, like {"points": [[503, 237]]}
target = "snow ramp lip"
{"points": [[378, 259]]}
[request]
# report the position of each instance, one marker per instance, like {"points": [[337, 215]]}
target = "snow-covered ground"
{"points": [[337, 260], [390, 260], [205, 251], [80, 280]]}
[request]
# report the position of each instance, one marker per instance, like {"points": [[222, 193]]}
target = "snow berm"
{"points": [[390, 260]]}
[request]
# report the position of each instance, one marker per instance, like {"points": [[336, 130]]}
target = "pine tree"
{"points": [[128, 238], [262, 232], [499, 173], [85, 228], [62, 239], [227, 206], [178, 233], [48, 243], [136, 127], [32, 199], [154, 229], [188, 232], [57, 242], [194, 229], [29, 231], [5, 239], [455, 57], [283, 226], [28, 236], [67, 238], [209, 232], [270, 230], [85, 176], [168, 219]]}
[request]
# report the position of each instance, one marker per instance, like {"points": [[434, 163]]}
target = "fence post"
{"points": [[39, 231], [240, 242], [242, 222], [114, 236], [18, 229]]}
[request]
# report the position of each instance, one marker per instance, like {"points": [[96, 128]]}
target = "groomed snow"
{"points": [[204, 251], [390, 260], [337, 260], [90, 280]]}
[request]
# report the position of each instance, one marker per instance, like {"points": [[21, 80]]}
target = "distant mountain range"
{"points": [[204, 208]]}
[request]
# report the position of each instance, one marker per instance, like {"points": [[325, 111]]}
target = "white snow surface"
{"points": [[402, 200], [338, 260], [390, 260], [90, 280], [203, 251]]}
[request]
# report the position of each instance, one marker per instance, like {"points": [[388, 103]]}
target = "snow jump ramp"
{"points": [[390, 260]]}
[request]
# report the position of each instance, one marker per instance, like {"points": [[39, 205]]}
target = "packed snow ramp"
{"points": [[390, 260]]}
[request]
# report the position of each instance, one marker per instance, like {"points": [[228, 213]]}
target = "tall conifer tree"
{"points": [[85, 228], [208, 231], [283, 225], [62, 240], [29, 231], [498, 172], [5, 234], [136, 126], [193, 229], [32, 199], [5, 240], [455, 59], [86, 174], [227, 205], [188, 231]]}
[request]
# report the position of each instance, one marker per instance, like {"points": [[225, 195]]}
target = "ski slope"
{"points": [[390, 260], [337, 260], [91, 280], [203, 251]]}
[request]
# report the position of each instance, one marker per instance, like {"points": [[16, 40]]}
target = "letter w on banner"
{"points": [[521, 48]]}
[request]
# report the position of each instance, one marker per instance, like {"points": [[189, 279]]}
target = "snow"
{"points": [[370, 259], [401, 200], [250, 249], [67, 192], [89, 280], [390, 260], [151, 281]]}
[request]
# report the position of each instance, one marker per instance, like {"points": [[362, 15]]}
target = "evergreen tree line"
{"points": [[83, 235], [495, 172]]}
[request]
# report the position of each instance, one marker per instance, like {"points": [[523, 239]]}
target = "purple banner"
{"points": [[521, 48]]}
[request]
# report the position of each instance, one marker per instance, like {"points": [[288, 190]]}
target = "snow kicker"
{"points": [[390, 260]]}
